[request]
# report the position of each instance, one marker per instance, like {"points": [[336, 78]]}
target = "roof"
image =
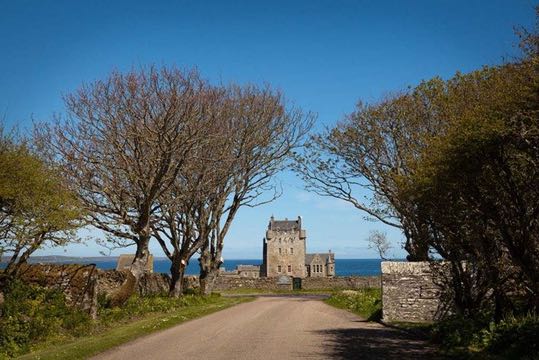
{"points": [[248, 267], [285, 225], [125, 261], [325, 257]]}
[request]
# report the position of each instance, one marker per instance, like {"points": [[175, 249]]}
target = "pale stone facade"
{"points": [[284, 252], [320, 265], [284, 249]]}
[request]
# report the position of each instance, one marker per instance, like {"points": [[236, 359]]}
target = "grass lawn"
{"points": [[108, 336], [366, 303]]}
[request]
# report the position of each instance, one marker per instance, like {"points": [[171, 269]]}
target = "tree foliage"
{"points": [[476, 186], [37, 208]]}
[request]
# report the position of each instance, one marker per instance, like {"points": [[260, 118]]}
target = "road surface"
{"points": [[275, 328]]}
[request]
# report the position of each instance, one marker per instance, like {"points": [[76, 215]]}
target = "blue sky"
{"points": [[324, 55]]}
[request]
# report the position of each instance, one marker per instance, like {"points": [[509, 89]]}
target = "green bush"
{"points": [[31, 314], [511, 338], [457, 331], [365, 302], [514, 337]]}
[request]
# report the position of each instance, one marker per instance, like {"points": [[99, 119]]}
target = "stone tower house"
{"points": [[284, 249]]}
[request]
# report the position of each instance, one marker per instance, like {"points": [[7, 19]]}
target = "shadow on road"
{"points": [[374, 342]]}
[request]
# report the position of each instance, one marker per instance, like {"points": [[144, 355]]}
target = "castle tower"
{"points": [[284, 249]]}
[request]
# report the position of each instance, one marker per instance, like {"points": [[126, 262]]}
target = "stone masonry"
{"points": [[284, 249], [412, 292], [284, 253]]}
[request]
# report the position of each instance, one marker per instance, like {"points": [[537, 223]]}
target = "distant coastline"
{"points": [[343, 267]]}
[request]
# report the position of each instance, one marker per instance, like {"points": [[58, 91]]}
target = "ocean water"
{"points": [[343, 267]]}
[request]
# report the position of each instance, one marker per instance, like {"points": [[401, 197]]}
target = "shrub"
{"points": [[514, 337], [457, 331], [511, 338], [31, 314]]}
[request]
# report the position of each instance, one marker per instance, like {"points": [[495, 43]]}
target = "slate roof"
{"points": [[125, 260], [248, 267], [285, 225], [326, 257]]}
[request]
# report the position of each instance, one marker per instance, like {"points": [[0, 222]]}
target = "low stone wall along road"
{"points": [[276, 328]]}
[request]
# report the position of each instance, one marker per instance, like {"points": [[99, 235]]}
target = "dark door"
{"points": [[296, 283]]}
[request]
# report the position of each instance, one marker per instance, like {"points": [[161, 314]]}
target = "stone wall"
{"points": [[223, 283], [340, 282], [81, 284], [77, 282], [149, 284], [412, 291], [229, 282]]}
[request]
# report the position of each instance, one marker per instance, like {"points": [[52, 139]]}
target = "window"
{"points": [[279, 268], [289, 268], [291, 250], [280, 251]]}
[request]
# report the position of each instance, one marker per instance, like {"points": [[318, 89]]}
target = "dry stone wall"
{"points": [[227, 282], [77, 282], [81, 284], [230, 282], [340, 282], [413, 291], [149, 284]]}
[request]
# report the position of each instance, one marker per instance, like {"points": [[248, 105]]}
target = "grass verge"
{"points": [[366, 303], [103, 339]]}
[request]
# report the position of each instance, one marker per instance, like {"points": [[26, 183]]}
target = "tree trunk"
{"points": [[416, 247], [207, 281], [177, 271], [208, 273], [137, 269], [140, 262]]}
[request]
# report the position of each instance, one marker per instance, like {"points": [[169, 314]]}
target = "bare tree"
{"points": [[378, 240], [362, 158], [186, 221], [262, 133], [122, 145]]}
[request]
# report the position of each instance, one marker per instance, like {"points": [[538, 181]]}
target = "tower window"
{"points": [[280, 252], [291, 250], [278, 268], [289, 268]]}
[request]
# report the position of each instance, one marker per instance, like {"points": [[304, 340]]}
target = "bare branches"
{"points": [[123, 143], [378, 240], [362, 159], [258, 134]]}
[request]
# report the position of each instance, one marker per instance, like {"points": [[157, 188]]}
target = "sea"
{"points": [[343, 267]]}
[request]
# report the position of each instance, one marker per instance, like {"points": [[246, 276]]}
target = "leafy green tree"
{"points": [[36, 207], [476, 186]]}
